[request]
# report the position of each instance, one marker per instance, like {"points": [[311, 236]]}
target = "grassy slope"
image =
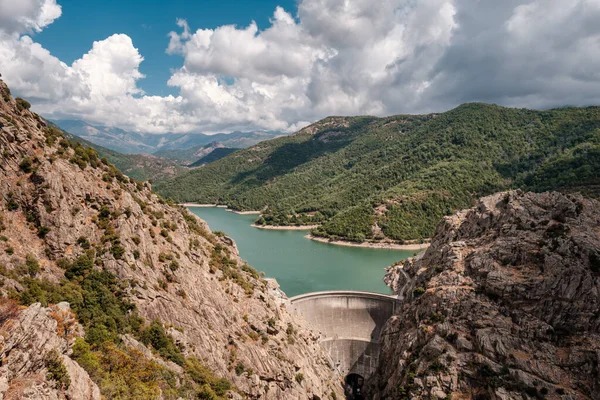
{"points": [[395, 177]]}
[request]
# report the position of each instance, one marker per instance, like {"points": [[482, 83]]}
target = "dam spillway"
{"points": [[351, 324]]}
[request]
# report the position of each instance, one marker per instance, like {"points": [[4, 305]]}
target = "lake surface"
{"points": [[301, 265]]}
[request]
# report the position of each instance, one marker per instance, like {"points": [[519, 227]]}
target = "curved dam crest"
{"points": [[351, 323]]}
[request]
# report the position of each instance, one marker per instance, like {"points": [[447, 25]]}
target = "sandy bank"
{"points": [[244, 212], [372, 245], [286, 227]]}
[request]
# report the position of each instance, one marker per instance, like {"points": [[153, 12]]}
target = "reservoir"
{"points": [[301, 265]]}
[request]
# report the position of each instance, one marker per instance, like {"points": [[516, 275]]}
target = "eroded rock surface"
{"points": [[505, 304], [54, 204], [28, 337]]}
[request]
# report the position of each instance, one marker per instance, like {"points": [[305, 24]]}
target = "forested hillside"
{"points": [[374, 178], [214, 155], [142, 167]]}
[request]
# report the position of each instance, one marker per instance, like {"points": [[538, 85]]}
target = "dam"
{"points": [[351, 324]]}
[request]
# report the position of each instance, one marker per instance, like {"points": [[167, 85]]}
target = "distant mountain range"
{"points": [[135, 143], [137, 166], [196, 156]]}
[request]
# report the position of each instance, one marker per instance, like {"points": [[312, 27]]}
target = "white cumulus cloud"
{"points": [[19, 16]]}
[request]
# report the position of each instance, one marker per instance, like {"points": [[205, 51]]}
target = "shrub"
{"points": [[156, 336], [418, 291], [203, 376], [57, 370], [43, 231], [117, 251], [83, 242], [9, 309], [12, 205], [82, 353], [22, 104], [33, 267], [26, 165], [299, 377], [239, 369]]}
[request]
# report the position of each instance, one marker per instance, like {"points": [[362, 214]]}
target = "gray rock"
{"points": [[513, 289]]}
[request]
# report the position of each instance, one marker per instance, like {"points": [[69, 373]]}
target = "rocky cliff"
{"points": [[35, 347], [505, 304], [143, 275]]}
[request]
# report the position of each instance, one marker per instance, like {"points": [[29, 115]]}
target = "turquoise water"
{"points": [[301, 265]]}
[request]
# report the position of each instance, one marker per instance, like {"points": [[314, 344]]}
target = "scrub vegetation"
{"points": [[366, 178]]}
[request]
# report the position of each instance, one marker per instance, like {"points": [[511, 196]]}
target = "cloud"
{"points": [[334, 57], [20, 16]]}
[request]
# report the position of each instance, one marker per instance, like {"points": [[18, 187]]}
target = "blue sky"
{"points": [[117, 63], [148, 23]]}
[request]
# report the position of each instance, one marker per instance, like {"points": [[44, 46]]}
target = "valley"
{"points": [[120, 293], [299, 200], [366, 179]]}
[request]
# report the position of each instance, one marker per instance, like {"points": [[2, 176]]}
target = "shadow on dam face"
{"points": [[351, 324]]}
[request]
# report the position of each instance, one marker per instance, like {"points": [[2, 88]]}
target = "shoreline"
{"points": [[371, 245], [244, 212], [219, 206], [285, 227]]}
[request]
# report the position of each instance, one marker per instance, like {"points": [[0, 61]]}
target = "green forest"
{"points": [[367, 178]]}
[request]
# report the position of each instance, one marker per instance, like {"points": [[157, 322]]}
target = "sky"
{"points": [[219, 66]]}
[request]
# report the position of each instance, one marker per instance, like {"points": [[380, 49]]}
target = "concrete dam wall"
{"points": [[351, 323]]}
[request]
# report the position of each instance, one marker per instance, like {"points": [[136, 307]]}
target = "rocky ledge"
{"points": [[503, 305]]}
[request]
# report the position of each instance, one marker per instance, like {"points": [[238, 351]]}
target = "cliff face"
{"points": [[505, 304], [31, 342], [59, 202]]}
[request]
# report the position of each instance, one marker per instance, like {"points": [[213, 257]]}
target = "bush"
{"points": [[117, 251], [299, 377], [12, 205], [156, 336], [43, 231], [33, 267], [26, 165], [9, 309], [22, 104], [83, 242], [56, 370], [418, 291], [239, 369], [203, 376]]}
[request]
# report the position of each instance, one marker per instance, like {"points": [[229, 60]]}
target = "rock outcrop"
{"points": [[29, 340], [58, 200], [505, 304]]}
